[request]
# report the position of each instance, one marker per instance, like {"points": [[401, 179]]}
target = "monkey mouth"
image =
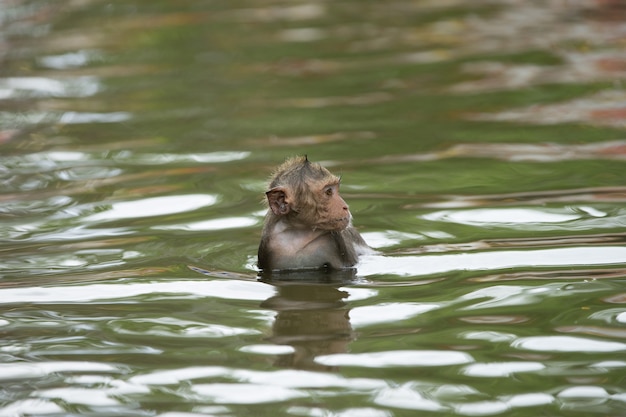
{"points": [[335, 224]]}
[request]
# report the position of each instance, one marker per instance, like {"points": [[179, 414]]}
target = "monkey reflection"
{"points": [[313, 319], [308, 225]]}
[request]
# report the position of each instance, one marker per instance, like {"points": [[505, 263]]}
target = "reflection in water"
{"points": [[312, 317]]}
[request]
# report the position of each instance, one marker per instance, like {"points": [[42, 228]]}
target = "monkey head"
{"points": [[307, 196]]}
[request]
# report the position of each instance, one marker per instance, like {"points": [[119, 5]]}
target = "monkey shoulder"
{"points": [[355, 239]]}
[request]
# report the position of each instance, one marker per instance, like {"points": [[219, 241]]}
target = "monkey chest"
{"points": [[296, 251]]}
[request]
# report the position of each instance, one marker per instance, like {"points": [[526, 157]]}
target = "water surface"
{"points": [[481, 148]]}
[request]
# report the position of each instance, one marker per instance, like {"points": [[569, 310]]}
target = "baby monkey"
{"points": [[308, 224]]}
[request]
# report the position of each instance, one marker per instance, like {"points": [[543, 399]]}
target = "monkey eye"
{"points": [[328, 191]]}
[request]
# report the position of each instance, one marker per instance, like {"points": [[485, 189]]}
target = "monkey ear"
{"points": [[277, 199]]}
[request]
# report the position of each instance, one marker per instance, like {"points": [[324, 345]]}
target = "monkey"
{"points": [[308, 225]]}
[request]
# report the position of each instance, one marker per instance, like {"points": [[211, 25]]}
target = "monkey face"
{"points": [[333, 212]]}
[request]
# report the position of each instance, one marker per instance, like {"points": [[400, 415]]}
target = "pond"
{"points": [[482, 152]]}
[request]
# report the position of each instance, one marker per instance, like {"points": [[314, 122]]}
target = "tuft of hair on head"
{"points": [[296, 169]]}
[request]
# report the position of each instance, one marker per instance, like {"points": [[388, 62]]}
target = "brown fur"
{"points": [[308, 224]]}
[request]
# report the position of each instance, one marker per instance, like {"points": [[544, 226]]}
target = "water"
{"points": [[481, 148]]}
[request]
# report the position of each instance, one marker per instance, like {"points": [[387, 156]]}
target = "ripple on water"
{"points": [[397, 358], [567, 344], [153, 206], [175, 376], [420, 395], [31, 406], [30, 370], [70, 59], [175, 328], [458, 398], [16, 87], [388, 312], [30, 207], [501, 216], [501, 369], [214, 224], [566, 218], [233, 393], [268, 349], [81, 396], [170, 289], [277, 385], [490, 260], [177, 158]]}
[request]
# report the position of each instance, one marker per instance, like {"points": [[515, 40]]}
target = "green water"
{"points": [[481, 148]]}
